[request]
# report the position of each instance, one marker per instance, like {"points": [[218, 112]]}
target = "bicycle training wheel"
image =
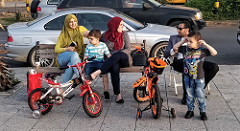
{"points": [[34, 102], [92, 109], [156, 102], [140, 95]]}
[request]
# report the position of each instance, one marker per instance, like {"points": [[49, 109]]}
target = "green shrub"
{"points": [[228, 9]]}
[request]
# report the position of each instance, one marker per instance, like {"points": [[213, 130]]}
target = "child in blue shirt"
{"points": [[98, 49], [194, 73]]}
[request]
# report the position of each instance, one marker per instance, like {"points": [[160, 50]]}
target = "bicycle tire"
{"points": [[34, 103], [138, 98], [156, 105], [89, 107]]}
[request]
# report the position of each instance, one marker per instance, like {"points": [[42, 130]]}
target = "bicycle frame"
{"points": [[71, 84], [151, 79]]}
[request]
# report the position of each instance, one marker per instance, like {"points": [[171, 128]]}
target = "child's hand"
{"points": [[185, 40], [202, 43]]}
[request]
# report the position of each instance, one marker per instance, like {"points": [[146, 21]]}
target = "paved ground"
{"points": [[222, 110]]}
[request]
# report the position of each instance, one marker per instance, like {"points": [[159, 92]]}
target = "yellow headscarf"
{"points": [[68, 35]]}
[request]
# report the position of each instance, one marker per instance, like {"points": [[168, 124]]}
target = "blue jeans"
{"points": [[195, 89], [66, 59], [92, 66]]}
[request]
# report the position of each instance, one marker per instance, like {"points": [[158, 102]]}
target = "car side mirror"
{"points": [[146, 6]]}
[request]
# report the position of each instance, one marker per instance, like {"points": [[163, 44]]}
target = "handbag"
{"points": [[139, 57]]}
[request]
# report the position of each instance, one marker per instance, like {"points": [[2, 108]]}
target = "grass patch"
{"points": [[10, 18]]}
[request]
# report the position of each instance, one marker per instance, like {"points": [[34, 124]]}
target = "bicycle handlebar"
{"points": [[92, 58], [89, 59]]}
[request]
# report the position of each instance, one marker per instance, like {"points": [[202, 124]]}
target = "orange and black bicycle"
{"points": [[146, 88]]}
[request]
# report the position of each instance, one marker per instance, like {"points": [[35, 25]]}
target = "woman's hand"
{"points": [[70, 48]]}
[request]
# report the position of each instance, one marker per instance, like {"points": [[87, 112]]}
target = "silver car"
{"points": [[22, 37]]}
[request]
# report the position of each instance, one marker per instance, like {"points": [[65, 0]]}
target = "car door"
{"points": [[106, 3], [93, 20], [99, 21], [137, 10]]}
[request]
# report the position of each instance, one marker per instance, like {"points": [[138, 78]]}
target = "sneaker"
{"points": [[203, 116], [189, 114]]}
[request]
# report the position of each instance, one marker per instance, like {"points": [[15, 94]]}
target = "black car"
{"points": [[238, 35], [148, 11]]}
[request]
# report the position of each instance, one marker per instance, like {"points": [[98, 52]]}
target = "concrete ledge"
{"points": [[223, 23]]}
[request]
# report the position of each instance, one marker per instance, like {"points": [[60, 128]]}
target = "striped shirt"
{"points": [[98, 51]]}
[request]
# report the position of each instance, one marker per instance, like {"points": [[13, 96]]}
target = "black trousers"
{"points": [[210, 69], [113, 64]]}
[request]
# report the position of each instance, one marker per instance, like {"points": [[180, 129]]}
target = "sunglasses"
{"points": [[180, 28]]}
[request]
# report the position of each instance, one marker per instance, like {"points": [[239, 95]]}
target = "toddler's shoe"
{"points": [[203, 116], [189, 114], [106, 95]]}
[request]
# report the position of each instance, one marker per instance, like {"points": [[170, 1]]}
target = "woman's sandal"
{"points": [[120, 101], [106, 95]]}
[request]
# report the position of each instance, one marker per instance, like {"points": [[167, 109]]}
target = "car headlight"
{"points": [[198, 16], [239, 29]]}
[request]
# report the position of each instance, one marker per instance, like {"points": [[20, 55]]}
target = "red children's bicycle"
{"points": [[43, 99]]}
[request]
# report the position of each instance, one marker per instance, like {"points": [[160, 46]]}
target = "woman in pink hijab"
{"points": [[118, 43]]}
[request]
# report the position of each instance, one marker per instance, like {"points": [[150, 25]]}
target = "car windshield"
{"points": [[38, 19], [130, 21], [155, 3]]}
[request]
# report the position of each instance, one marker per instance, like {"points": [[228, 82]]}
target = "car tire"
{"points": [[175, 23], [158, 51], [43, 62], [34, 15], [34, 6]]}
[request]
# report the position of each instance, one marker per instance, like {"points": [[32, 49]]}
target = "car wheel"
{"points": [[175, 23], [158, 51], [44, 62], [34, 15], [34, 6]]}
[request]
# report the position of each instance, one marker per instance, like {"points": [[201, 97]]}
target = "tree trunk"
{"points": [[7, 79]]}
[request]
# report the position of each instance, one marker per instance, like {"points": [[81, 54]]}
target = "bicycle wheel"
{"points": [[34, 102], [92, 109], [140, 95], [156, 102]]}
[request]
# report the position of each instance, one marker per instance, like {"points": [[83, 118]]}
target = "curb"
{"points": [[223, 23]]}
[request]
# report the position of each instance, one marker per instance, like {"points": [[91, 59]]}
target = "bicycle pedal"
{"points": [[70, 97]]}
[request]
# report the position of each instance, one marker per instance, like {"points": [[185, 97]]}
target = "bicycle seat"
{"points": [[52, 75]]}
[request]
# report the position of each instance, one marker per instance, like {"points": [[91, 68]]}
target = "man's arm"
{"points": [[180, 43], [167, 52]]}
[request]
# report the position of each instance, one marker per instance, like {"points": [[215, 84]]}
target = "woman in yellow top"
{"points": [[69, 55]]}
